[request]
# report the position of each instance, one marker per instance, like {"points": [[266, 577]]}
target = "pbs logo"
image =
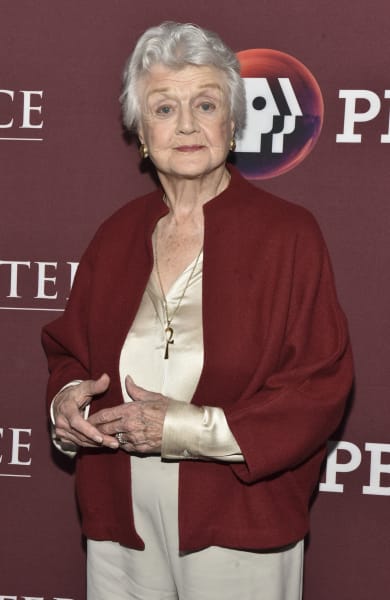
{"points": [[285, 112]]}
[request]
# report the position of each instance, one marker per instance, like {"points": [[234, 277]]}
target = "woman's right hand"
{"points": [[70, 424]]}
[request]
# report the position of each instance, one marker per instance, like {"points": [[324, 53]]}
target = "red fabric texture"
{"points": [[277, 359]]}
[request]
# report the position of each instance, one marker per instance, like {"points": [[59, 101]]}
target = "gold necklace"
{"points": [[168, 329]]}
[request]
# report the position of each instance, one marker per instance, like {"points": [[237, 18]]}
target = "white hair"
{"points": [[176, 45]]}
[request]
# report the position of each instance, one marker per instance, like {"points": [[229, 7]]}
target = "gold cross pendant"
{"points": [[170, 340]]}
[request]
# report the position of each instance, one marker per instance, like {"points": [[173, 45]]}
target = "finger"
{"points": [[79, 440], [93, 387], [111, 428], [131, 387], [98, 386], [107, 415], [129, 379], [110, 442], [65, 437], [79, 426], [137, 392]]}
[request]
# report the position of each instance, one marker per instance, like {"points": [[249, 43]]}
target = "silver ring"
{"points": [[120, 438]]}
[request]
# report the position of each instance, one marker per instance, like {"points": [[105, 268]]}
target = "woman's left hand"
{"points": [[140, 423]]}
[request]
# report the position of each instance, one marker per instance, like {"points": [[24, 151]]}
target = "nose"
{"points": [[186, 121]]}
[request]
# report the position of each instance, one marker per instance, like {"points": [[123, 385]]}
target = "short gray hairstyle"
{"points": [[176, 45]]}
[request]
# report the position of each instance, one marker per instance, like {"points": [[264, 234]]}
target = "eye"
{"points": [[164, 110], [207, 106]]}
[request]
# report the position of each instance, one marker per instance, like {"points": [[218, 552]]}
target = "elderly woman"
{"points": [[203, 359]]}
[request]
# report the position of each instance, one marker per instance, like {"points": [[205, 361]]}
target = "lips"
{"points": [[193, 148]]}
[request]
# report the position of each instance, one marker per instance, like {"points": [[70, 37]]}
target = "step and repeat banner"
{"points": [[318, 134]]}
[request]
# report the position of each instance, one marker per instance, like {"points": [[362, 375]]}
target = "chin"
{"points": [[196, 168]]}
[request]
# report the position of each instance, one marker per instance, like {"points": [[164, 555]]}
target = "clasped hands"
{"points": [[140, 422]]}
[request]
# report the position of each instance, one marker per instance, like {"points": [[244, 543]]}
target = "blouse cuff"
{"points": [[65, 447], [198, 432]]}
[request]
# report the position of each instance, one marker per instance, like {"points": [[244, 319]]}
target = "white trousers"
{"points": [[117, 573], [160, 572]]}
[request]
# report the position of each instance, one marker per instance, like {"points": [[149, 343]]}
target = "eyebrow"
{"points": [[202, 87]]}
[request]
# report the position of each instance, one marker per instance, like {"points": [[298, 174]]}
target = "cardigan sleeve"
{"points": [[289, 418], [65, 340]]}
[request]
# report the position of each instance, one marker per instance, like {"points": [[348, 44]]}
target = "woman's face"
{"points": [[185, 120]]}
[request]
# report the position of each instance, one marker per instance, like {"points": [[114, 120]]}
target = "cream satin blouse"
{"points": [[189, 431]]}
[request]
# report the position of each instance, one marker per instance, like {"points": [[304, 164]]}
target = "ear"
{"points": [[140, 133], [232, 127]]}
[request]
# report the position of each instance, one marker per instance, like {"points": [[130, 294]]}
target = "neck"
{"points": [[187, 196]]}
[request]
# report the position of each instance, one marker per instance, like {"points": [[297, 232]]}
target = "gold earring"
{"points": [[232, 145], [143, 151]]}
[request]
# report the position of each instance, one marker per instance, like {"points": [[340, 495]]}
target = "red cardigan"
{"points": [[276, 359]]}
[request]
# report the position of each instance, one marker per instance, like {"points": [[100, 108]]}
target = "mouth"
{"points": [[193, 148]]}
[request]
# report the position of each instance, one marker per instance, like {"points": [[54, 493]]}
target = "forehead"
{"points": [[163, 79]]}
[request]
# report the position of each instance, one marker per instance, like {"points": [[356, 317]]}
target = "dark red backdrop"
{"points": [[56, 188]]}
